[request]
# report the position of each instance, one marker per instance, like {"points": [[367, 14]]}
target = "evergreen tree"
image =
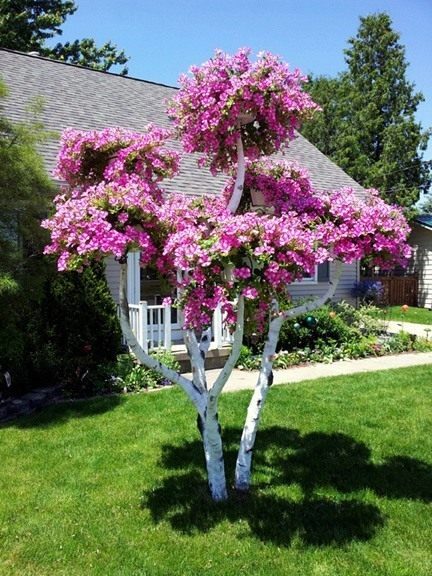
{"points": [[46, 335], [373, 134], [25, 25], [25, 191], [325, 128]]}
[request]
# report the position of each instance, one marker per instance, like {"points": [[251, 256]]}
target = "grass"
{"points": [[115, 486], [413, 314]]}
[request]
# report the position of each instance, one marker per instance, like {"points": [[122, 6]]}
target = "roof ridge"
{"points": [[52, 60]]}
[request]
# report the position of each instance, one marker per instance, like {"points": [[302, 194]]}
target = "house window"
{"points": [[321, 274]]}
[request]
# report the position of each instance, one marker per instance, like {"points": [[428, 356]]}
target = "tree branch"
{"points": [[192, 392], [235, 199], [225, 373]]}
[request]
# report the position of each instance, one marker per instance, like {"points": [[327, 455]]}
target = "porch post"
{"points": [[133, 278], [167, 327], [142, 325]]}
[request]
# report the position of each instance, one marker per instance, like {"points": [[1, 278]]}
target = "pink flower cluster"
{"points": [[227, 255], [88, 157], [110, 204], [113, 202], [230, 95], [285, 186], [363, 228]]}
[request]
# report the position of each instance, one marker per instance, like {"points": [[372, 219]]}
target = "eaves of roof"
{"points": [[86, 99]]}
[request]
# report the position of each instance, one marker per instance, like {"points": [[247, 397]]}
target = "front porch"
{"points": [[157, 325]]}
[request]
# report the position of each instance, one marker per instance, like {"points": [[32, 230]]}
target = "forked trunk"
{"points": [[265, 380], [213, 452]]}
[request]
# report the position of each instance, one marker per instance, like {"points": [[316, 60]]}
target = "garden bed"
{"points": [[335, 332]]}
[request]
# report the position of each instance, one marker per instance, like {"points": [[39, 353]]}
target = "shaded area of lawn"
{"points": [[67, 410], [313, 462], [342, 485]]}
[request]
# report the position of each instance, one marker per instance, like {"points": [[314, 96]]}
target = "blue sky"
{"points": [[164, 37]]}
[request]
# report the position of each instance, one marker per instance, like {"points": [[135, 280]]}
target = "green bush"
{"points": [[323, 327], [20, 299], [128, 375], [75, 331], [422, 345], [331, 333], [366, 319], [248, 360], [401, 342]]}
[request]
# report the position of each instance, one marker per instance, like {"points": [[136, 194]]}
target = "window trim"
{"points": [[312, 280]]}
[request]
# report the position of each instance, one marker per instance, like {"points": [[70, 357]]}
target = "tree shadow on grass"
{"points": [[57, 414], [313, 462]]}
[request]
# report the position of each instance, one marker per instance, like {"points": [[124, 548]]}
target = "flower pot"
{"points": [[245, 118], [257, 197]]}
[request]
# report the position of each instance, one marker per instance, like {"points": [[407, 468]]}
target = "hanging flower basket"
{"points": [[246, 118], [257, 198], [259, 203]]}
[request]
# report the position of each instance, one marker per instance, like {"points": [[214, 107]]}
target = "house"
{"points": [[82, 98], [421, 262]]}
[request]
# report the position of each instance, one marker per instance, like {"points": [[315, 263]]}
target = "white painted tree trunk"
{"points": [[205, 401], [234, 202], [213, 451], [207, 419], [211, 430], [265, 380], [208, 422], [192, 392]]}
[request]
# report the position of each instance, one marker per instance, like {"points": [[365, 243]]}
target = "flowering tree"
{"points": [[234, 112]]}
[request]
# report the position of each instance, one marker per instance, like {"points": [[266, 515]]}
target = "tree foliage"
{"points": [[25, 190], [25, 25], [368, 126], [51, 328]]}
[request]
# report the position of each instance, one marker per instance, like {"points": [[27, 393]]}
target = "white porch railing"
{"points": [[152, 327]]}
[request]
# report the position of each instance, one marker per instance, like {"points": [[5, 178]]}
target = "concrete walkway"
{"points": [[422, 330], [242, 380]]}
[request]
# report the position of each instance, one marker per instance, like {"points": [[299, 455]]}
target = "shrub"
{"points": [[248, 360], [131, 376], [322, 328], [422, 345], [20, 300], [76, 330], [366, 319]]}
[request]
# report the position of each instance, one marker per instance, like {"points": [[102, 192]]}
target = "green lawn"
{"points": [[416, 315], [115, 486]]}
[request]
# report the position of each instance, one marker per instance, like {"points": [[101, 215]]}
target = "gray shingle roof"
{"points": [[86, 99]]}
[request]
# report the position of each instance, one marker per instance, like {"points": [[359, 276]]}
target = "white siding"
{"points": [[112, 272], [350, 275], [421, 241]]}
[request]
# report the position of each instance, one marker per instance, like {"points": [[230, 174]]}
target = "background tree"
{"points": [[25, 25], [426, 205], [369, 126], [43, 317], [25, 191]]}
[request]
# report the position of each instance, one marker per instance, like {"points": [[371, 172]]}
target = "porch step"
{"points": [[215, 358]]}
